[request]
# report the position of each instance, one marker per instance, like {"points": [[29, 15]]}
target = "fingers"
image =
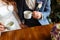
{"points": [[1, 27], [37, 15], [34, 13], [1, 24], [23, 26]]}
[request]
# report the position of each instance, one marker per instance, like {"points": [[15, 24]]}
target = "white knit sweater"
{"points": [[6, 16]]}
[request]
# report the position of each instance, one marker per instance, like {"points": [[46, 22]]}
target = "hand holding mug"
{"points": [[37, 15]]}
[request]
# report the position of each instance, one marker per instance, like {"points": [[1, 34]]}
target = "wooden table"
{"points": [[33, 33]]}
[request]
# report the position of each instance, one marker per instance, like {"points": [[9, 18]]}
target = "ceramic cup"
{"points": [[27, 14]]}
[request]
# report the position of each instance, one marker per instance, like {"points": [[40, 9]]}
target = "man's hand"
{"points": [[2, 27], [37, 15]]}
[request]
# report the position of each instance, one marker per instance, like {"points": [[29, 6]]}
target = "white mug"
{"points": [[27, 14]]}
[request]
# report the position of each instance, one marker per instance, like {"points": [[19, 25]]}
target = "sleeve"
{"points": [[47, 10], [45, 14], [11, 8]]}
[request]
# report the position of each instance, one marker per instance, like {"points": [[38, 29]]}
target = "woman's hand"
{"points": [[23, 25], [2, 27], [37, 15]]}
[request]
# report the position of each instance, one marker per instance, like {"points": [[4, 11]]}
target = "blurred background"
{"points": [[55, 12]]}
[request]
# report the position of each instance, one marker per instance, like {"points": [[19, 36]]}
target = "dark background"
{"points": [[55, 12]]}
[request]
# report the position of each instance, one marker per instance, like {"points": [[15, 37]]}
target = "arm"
{"points": [[45, 14], [12, 8], [47, 10]]}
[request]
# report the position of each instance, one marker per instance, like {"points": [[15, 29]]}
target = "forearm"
{"points": [[45, 14], [47, 10]]}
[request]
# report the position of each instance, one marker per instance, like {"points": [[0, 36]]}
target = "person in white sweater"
{"points": [[8, 19]]}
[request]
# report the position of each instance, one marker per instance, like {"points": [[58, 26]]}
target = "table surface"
{"points": [[33, 33]]}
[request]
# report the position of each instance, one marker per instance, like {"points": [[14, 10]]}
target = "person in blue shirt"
{"points": [[39, 17]]}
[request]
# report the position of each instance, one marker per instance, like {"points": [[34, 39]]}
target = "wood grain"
{"points": [[33, 33]]}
